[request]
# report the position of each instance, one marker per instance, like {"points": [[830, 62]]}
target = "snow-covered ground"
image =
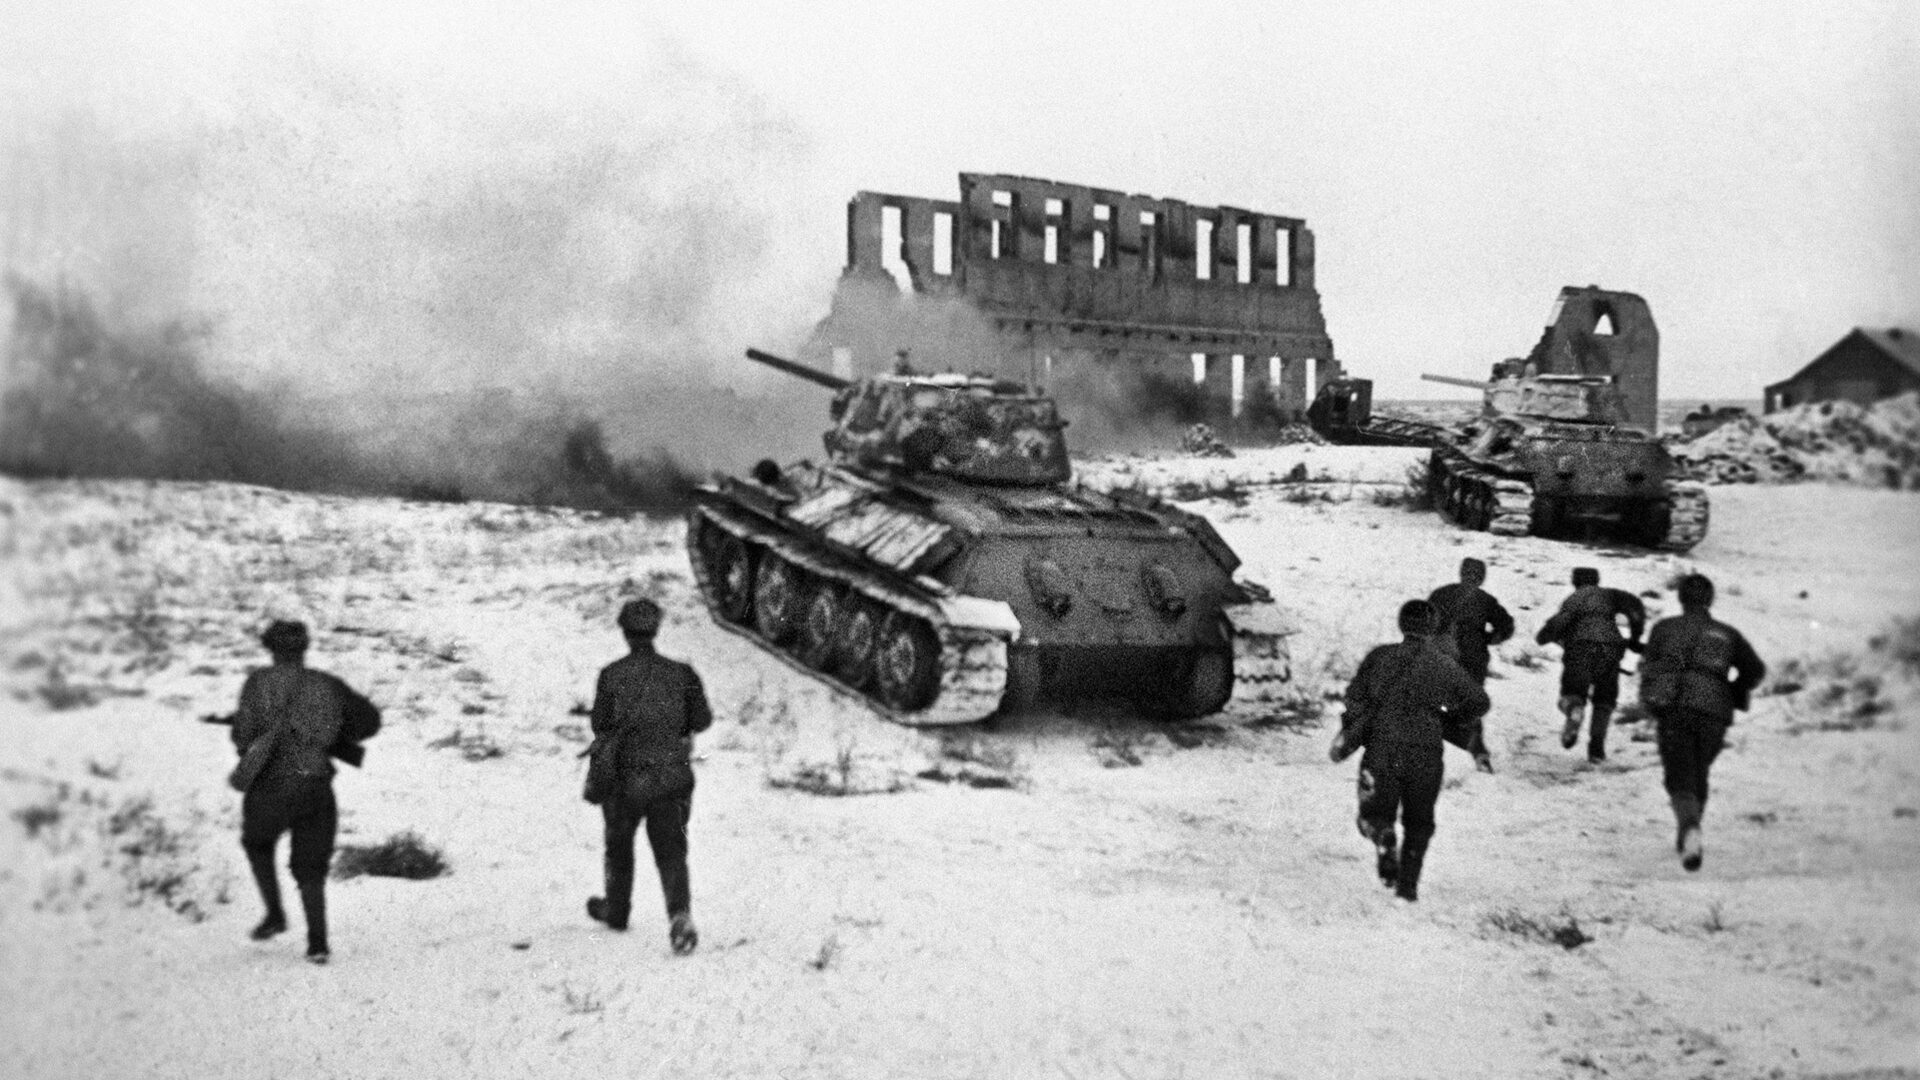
{"points": [[1209, 912]]}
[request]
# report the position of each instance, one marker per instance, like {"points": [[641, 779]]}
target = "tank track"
{"points": [[1262, 662], [1474, 498], [1686, 515], [973, 633]]}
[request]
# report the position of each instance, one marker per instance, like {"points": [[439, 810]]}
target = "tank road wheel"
{"points": [[820, 627], [859, 640], [906, 666], [730, 570], [1197, 684], [778, 593]]}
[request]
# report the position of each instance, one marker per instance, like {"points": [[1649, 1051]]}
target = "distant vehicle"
{"points": [[941, 565], [1342, 412]]}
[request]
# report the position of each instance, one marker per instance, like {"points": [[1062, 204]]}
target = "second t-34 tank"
{"points": [[942, 566]]}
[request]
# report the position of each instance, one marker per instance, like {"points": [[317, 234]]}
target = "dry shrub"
{"points": [[402, 855], [1562, 929]]}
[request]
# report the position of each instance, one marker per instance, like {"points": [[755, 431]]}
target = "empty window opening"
{"points": [[1003, 198], [1238, 386], [1273, 375], [893, 248], [1103, 221], [1603, 322], [1150, 242], [1099, 249], [942, 243], [994, 239], [1243, 264], [1046, 371], [1050, 252], [1283, 257], [1199, 368], [1203, 249], [1313, 374]]}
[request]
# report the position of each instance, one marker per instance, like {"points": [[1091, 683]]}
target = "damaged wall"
{"points": [[1021, 276]]}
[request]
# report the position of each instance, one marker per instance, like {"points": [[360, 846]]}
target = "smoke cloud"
{"points": [[349, 247]]}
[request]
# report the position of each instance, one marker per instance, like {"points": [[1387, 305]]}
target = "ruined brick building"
{"points": [[1042, 281]]}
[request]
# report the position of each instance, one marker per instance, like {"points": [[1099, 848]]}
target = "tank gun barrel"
{"points": [[1471, 384], [799, 370]]}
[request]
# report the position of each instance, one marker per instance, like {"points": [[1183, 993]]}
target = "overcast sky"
{"points": [[1752, 169]]}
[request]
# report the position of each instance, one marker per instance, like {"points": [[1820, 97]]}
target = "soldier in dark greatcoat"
{"points": [[1684, 681], [1471, 618], [646, 711], [1587, 630], [291, 720], [1405, 702]]}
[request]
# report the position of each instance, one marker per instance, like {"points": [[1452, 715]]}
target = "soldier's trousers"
{"points": [[1400, 782], [1476, 661], [1590, 671], [306, 809], [666, 822], [1689, 741]]}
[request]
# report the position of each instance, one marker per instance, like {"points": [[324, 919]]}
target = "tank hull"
{"points": [[1597, 482], [939, 602]]}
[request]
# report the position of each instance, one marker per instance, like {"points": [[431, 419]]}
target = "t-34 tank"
{"points": [[942, 566], [1550, 456]]}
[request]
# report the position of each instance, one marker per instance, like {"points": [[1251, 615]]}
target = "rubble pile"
{"points": [[1876, 446], [1200, 441]]}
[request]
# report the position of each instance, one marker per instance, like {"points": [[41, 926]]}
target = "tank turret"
{"points": [[1579, 398], [990, 431], [941, 567]]}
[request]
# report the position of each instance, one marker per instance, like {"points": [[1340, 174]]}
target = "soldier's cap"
{"points": [[640, 618], [285, 636], [1696, 590], [1472, 567], [1418, 617], [1585, 575]]}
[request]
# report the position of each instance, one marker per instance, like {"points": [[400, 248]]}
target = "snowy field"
{"points": [[1134, 904]]}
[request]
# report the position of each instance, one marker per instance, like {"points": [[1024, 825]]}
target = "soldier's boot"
{"points": [[1597, 736], [260, 861], [1686, 816], [1412, 855], [1388, 862], [598, 911], [682, 934], [1574, 709], [313, 901]]}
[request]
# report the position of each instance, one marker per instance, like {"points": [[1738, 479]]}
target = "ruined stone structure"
{"points": [[1035, 280]]}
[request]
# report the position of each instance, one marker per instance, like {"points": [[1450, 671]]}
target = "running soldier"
{"points": [[1471, 618], [1404, 704], [290, 721], [1587, 630], [1684, 682], [646, 711]]}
